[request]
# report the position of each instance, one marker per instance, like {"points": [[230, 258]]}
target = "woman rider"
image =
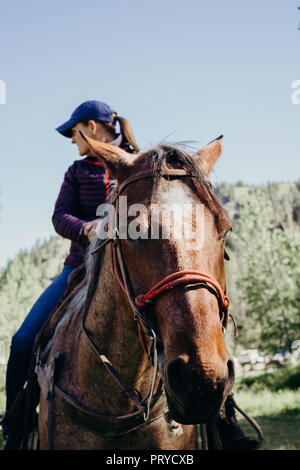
{"points": [[85, 187]]}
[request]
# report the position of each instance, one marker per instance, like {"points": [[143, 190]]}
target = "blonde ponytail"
{"points": [[126, 131]]}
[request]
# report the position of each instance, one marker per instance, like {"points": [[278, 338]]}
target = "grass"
{"points": [[272, 398], [276, 412]]}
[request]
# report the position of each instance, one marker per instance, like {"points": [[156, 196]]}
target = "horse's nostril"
{"points": [[176, 376], [173, 371]]}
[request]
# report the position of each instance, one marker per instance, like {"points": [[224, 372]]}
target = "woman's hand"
{"points": [[90, 228]]}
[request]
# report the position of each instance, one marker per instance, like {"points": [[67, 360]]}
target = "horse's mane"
{"points": [[161, 156], [176, 156]]}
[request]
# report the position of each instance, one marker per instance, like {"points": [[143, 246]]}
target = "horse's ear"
{"points": [[210, 154], [115, 159]]}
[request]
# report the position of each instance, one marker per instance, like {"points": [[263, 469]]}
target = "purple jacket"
{"points": [[85, 186]]}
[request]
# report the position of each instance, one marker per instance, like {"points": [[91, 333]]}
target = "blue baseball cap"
{"points": [[89, 110]]}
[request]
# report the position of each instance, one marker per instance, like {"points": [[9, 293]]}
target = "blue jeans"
{"points": [[23, 340]]}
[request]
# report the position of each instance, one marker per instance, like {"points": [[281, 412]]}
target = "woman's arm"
{"points": [[65, 219]]}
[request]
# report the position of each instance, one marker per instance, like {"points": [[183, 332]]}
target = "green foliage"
{"points": [[286, 378], [264, 273]]}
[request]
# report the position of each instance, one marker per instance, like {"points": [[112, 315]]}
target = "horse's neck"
{"points": [[112, 328]]}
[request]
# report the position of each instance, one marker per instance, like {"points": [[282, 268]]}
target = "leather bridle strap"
{"points": [[173, 172], [181, 277], [116, 376], [124, 282]]}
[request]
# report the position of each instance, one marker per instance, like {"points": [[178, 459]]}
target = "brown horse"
{"points": [[145, 302]]}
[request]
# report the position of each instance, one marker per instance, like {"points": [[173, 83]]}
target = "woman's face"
{"points": [[94, 129]]}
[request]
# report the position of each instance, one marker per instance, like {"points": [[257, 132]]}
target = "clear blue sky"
{"points": [[193, 69]]}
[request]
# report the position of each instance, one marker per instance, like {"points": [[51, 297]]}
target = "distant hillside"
{"points": [[21, 282], [285, 198], [24, 279]]}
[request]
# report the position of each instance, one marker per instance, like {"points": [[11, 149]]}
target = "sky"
{"points": [[178, 71]]}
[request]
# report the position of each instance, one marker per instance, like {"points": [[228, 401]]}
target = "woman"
{"points": [[85, 186]]}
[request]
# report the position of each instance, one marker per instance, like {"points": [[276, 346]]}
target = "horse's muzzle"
{"points": [[196, 394]]}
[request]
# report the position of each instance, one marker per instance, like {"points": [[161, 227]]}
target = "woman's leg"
{"points": [[23, 340]]}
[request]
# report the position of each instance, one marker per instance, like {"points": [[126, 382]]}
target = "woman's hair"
{"points": [[125, 129]]}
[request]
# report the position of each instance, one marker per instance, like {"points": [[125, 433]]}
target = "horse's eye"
{"points": [[226, 255]]}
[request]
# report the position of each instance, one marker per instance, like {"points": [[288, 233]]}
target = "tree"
{"points": [[21, 282], [266, 280]]}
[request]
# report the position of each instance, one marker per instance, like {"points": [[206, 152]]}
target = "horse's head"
{"points": [[189, 315]]}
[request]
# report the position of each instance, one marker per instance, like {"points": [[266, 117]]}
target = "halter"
{"points": [[140, 303]]}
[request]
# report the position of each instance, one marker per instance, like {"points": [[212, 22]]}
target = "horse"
{"points": [[138, 357]]}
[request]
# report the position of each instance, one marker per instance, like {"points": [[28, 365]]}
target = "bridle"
{"points": [[140, 303], [150, 408]]}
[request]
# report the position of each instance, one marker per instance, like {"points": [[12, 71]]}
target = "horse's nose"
{"points": [[193, 381], [197, 391]]}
